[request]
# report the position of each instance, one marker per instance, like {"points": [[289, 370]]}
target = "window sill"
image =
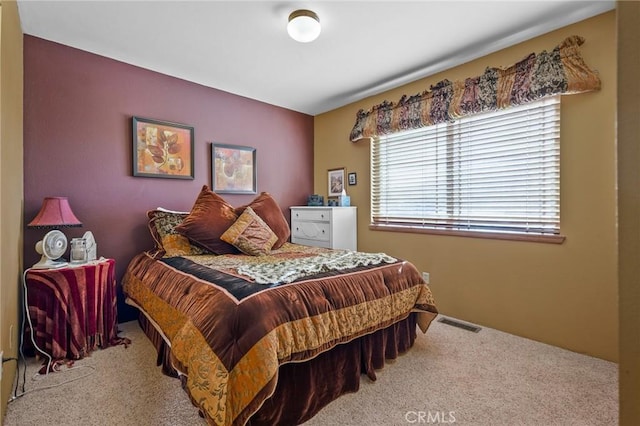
{"points": [[550, 239]]}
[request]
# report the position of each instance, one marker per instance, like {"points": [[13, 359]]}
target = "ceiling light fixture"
{"points": [[303, 26]]}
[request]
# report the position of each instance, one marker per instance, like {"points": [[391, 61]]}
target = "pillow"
{"points": [[250, 234], [269, 211], [169, 243], [210, 216]]}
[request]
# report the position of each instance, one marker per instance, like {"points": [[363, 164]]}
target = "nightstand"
{"points": [[329, 227], [72, 309]]}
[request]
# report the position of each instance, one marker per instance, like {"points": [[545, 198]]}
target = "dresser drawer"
{"points": [[318, 231], [313, 243], [318, 215]]}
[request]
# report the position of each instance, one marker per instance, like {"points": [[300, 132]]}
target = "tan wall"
{"points": [[629, 208], [565, 295], [11, 197]]}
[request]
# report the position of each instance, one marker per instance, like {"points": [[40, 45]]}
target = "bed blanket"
{"points": [[229, 331]]}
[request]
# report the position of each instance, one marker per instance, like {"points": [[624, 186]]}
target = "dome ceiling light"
{"points": [[303, 26]]}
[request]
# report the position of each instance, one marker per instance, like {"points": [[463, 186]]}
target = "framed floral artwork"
{"points": [[162, 149], [233, 169]]}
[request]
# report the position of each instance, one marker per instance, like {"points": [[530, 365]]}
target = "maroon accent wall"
{"points": [[77, 143]]}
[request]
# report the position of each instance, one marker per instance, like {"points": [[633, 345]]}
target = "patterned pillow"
{"points": [[169, 243], [250, 234], [268, 209], [210, 216]]}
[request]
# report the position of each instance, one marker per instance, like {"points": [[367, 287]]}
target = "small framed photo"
{"points": [[162, 149], [353, 179], [233, 169], [335, 181]]}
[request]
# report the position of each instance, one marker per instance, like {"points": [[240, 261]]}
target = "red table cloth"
{"points": [[73, 309]]}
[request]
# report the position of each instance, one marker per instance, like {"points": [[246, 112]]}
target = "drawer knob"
{"points": [[323, 231], [322, 216], [297, 215]]}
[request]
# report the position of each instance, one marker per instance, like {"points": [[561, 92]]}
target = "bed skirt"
{"points": [[305, 388]]}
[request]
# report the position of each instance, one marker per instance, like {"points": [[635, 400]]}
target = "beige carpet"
{"points": [[450, 376]]}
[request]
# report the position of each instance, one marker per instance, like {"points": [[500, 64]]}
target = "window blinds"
{"points": [[495, 172]]}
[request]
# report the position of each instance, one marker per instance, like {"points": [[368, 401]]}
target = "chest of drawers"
{"points": [[329, 227]]}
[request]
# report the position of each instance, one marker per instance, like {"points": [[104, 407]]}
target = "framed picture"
{"points": [[353, 180], [233, 169], [162, 149], [335, 182]]}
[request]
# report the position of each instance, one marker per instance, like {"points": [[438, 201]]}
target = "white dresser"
{"points": [[330, 227]]}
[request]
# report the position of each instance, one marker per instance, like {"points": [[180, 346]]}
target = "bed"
{"points": [[268, 338]]}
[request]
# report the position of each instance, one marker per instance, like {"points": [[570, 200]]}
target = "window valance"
{"points": [[561, 71]]}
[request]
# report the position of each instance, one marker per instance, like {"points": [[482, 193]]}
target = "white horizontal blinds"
{"points": [[497, 172], [409, 176]]}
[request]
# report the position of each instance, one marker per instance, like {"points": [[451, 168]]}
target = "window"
{"points": [[495, 174]]}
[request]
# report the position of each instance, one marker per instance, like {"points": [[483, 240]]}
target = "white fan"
{"points": [[51, 247]]}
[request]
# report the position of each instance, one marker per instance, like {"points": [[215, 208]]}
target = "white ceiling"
{"points": [[242, 47]]}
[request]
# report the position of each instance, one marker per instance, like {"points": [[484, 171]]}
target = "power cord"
{"points": [[26, 311], [12, 359], [39, 377], [50, 364]]}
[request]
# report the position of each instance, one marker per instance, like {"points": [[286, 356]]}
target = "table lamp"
{"points": [[55, 213]]}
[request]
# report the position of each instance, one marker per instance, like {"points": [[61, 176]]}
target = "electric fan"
{"points": [[51, 247]]}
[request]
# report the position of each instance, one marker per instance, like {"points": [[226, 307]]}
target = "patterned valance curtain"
{"points": [[561, 71]]}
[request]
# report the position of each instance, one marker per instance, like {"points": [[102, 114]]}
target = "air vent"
{"points": [[459, 324]]}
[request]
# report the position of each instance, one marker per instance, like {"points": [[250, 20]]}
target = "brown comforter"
{"points": [[230, 327]]}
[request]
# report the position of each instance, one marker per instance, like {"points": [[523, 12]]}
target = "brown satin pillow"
{"points": [[250, 234], [210, 216], [269, 211]]}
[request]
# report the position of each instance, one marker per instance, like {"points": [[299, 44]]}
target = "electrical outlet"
{"points": [[425, 277]]}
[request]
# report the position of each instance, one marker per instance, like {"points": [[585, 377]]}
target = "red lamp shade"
{"points": [[55, 213]]}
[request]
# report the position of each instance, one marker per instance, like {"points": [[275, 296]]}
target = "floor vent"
{"points": [[459, 324]]}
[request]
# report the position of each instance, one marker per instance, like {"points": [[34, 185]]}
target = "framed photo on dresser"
{"points": [[335, 181]]}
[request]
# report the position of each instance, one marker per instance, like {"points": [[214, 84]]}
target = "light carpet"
{"points": [[450, 376]]}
